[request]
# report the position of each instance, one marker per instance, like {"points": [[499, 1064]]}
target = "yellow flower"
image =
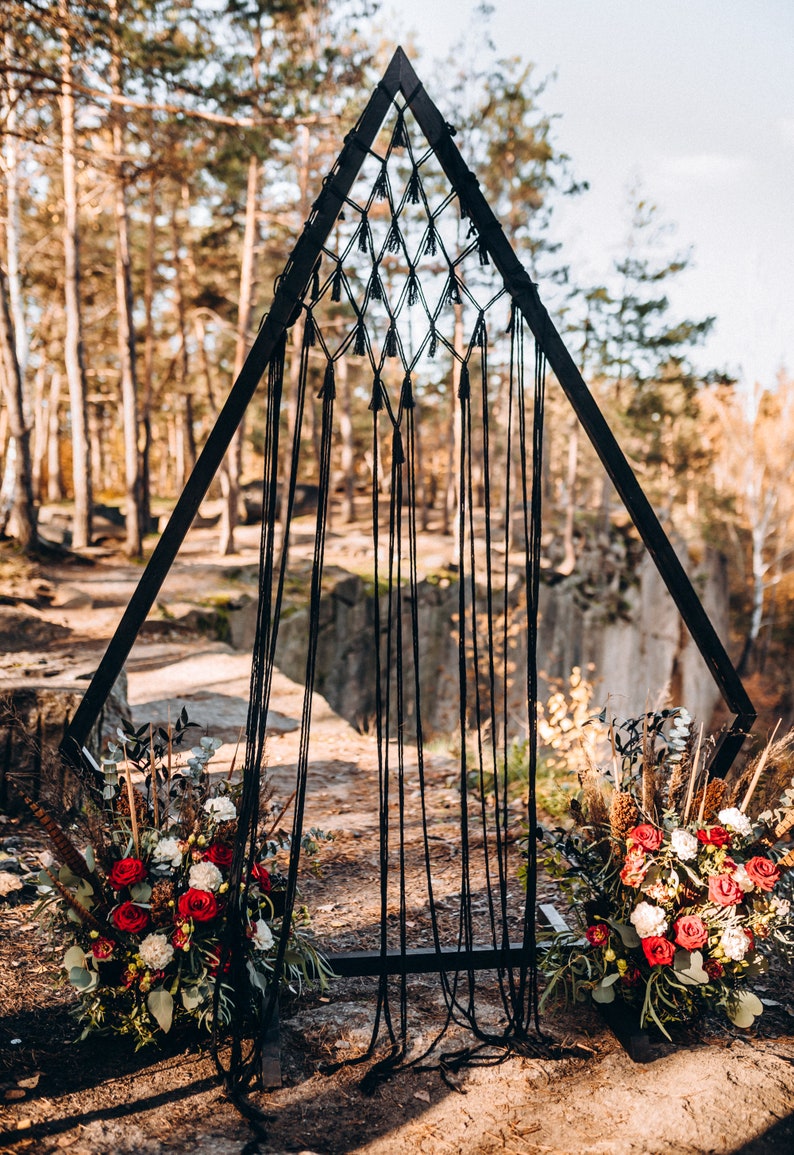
{"points": [[609, 955]]}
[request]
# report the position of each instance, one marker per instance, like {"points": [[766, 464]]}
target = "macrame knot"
{"points": [[464, 386], [480, 335], [398, 455], [407, 400], [390, 344], [431, 352], [431, 243], [309, 329], [376, 401], [399, 137], [394, 238], [453, 288], [381, 186], [360, 341], [413, 187], [376, 286], [328, 391], [315, 289], [336, 284], [364, 235], [413, 287]]}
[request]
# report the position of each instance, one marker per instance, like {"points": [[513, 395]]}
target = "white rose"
{"points": [[648, 920], [262, 937], [221, 809], [204, 876], [167, 851], [741, 876], [156, 952], [735, 943], [739, 822], [684, 844]]}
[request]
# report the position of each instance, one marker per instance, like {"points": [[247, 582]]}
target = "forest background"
{"points": [[158, 162]]}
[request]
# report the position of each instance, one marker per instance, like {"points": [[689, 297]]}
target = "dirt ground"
{"points": [[721, 1090]]}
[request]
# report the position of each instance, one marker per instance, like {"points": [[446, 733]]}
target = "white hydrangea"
{"points": [[734, 943], [741, 876], [167, 852], [684, 844], [262, 936], [156, 952], [204, 876], [648, 920], [221, 809], [737, 821]]}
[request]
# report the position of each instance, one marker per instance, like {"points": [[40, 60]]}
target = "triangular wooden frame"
{"points": [[401, 79]]}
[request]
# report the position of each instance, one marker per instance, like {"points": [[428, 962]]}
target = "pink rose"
{"points": [[200, 905], [646, 836], [762, 872], [634, 869], [126, 872], [102, 949], [658, 951], [690, 932], [724, 891], [597, 934]]}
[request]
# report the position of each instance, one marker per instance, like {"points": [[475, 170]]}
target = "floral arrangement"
{"points": [[674, 885], [144, 904]]}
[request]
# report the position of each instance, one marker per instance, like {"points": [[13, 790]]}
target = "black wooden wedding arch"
{"points": [[403, 268]]}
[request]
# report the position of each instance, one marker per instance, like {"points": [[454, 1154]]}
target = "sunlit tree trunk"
{"points": [[11, 380]]}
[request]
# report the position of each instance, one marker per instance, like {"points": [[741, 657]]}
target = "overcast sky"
{"points": [[696, 99]]}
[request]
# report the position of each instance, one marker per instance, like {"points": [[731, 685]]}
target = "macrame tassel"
{"points": [[309, 330], [390, 344], [453, 288], [431, 244], [376, 286], [413, 187], [394, 238], [482, 252], [315, 289], [360, 343], [431, 352], [381, 186], [464, 386], [364, 236], [399, 136], [376, 401], [413, 287], [328, 391], [464, 212], [407, 399], [336, 284], [511, 324], [398, 455], [480, 335]]}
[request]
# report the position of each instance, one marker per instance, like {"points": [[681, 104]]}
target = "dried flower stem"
{"points": [[131, 797], [693, 773], [234, 756], [758, 770], [153, 772]]}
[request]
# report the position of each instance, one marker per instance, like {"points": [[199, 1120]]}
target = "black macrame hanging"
{"points": [[404, 278]]}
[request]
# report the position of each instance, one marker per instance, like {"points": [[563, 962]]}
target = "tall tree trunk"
{"points": [[148, 360], [54, 479], [232, 463], [73, 344], [11, 380], [125, 323]]}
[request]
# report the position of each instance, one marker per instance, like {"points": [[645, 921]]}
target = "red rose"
{"points": [[261, 875], [714, 969], [126, 872], [181, 937], [631, 977], [724, 891], [597, 934], [634, 868], [658, 951], [219, 854], [715, 836], [762, 872], [646, 836], [102, 949], [130, 918], [200, 905], [690, 932]]}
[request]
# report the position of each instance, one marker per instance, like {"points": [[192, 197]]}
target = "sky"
{"points": [[695, 100]]}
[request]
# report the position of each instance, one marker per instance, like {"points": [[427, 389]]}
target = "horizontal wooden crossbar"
{"points": [[426, 960]]}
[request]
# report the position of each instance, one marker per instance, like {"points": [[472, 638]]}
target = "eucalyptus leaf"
{"points": [[90, 861], [604, 994], [689, 968], [74, 957], [628, 934], [82, 978], [743, 1008], [191, 998], [161, 1007], [140, 892]]}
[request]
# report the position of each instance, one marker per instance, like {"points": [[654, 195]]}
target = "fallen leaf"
{"points": [[423, 1095], [30, 1082], [15, 1093]]}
